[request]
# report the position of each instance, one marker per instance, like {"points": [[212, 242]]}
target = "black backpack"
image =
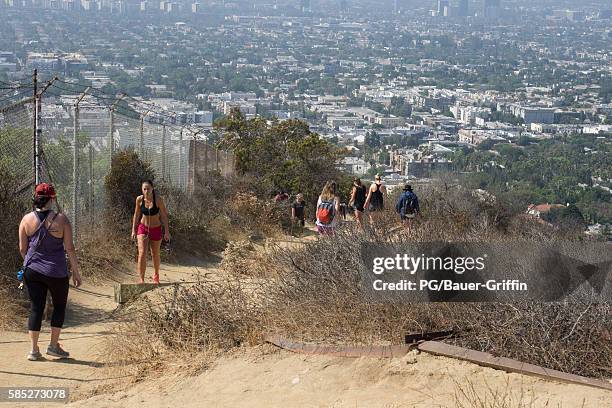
{"points": [[409, 205]]}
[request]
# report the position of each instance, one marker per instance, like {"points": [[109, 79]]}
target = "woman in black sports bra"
{"points": [[377, 196], [149, 216]]}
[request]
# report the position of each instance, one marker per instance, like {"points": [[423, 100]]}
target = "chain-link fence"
{"points": [[16, 141], [100, 126]]}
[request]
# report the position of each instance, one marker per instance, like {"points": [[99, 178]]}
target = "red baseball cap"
{"points": [[45, 190]]}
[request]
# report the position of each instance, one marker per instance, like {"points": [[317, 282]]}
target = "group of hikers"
{"points": [[45, 238], [330, 209]]}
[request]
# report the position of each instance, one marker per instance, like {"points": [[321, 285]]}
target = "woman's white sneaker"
{"points": [[34, 355]]}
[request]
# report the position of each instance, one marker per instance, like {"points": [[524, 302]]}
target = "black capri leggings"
{"points": [[38, 284]]}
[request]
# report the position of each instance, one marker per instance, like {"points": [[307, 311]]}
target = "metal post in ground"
{"points": [[194, 160], [225, 164], [91, 185], [141, 142], [206, 159], [37, 129], [35, 152], [180, 160], [163, 151], [75, 166], [194, 164], [111, 136], [217, 160]]}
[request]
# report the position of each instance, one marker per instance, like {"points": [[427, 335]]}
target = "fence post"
{"points": [[180, 161], [75, 172], [163, 151], [75, 165], [141, 142], [194, 164], [91, 185], [217, 160], [35, 162], [111, 140], [206, 159], [111, 137]]}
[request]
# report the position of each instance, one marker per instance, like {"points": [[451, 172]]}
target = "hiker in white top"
{"points": [[328, 209]]}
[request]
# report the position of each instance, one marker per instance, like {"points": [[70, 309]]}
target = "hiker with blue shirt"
{"points": [[407, 206]]}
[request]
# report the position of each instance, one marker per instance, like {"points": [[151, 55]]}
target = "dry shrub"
{"points": [[191, 225], [209, 315], [103, 249], [254, 214], [243, 258], [314, 294], [469, 395], [317, 296]]}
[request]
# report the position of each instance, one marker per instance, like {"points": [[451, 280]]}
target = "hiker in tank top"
{"points": [[377, 196], [328, 209], [150, 215], [358, 199], [45, 237]]}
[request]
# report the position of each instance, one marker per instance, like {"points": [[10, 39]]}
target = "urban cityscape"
{"points": [[306, 203], [515, 93]]}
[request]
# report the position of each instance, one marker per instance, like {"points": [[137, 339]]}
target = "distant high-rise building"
{"points": [[195, 8], [143, 5], [492, 8], [395, 7], [343, 5], [442, 4], [463, 8], [305, 6]]}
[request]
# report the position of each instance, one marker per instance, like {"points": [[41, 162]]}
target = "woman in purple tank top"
{"points": [[44, 239]]}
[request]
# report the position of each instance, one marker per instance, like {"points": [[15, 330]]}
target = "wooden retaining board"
{"points": [[341, 350], [508, 364]]}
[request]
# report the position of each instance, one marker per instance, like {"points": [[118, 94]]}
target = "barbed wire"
{"points": [[149, 129]]}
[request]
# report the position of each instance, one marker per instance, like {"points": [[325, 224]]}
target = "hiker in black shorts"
{"points": [[298, 212], [377, 195], [358, 199]]}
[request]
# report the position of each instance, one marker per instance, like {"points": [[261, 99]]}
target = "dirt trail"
{"points": [[89, 320], [264, 376]]}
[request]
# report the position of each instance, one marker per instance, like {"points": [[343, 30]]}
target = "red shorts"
{"points": [[154, 233]]}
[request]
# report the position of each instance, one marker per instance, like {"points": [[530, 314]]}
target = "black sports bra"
{"points": [[149, 211]]}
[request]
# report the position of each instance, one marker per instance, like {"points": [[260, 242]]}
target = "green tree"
{"points": [[283, 155]]}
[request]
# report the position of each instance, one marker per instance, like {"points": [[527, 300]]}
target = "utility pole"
{"points": [[37, 129], [35, 151], [75, 165]]}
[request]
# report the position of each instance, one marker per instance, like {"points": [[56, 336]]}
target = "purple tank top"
{"points": [[47, 257]]}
